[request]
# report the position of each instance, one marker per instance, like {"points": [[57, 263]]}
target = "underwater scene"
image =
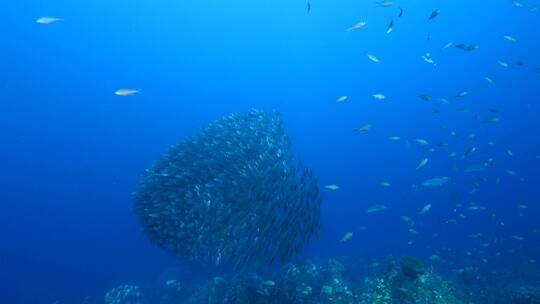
{"points": [[270, 151]]}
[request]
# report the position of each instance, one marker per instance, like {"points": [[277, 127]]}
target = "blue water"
{"points": [[72, 150]]}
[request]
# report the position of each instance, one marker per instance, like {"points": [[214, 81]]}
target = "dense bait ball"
{"points": [[233, 192]]}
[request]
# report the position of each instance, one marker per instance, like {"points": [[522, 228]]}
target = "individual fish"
{"points": [[427, 58], [412, 230], [422, 163], [509, 152], [394, 138], [491, 120], [385, 184], [308, 7], [535, 8], [385, 3], [425, 209], [448, 45], [469, 151], [357, 26], [332, 187], [347, 236], [518, 237], [48, 20], [435, 182], [341, 99], [466, 47], [373, 58], [364, 128], [390, 27], [517, 4], [452, 154], [434, 14], [510, 38], [462, 94], [421, 141], [502, 63], [520, 63], [400, 12], [511, 172], [424, 97], [376, 208], [489, 79], [124, 92], [406, 218], [378, 96]]}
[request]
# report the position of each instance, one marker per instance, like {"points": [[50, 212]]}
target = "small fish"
{"points": [[425, 209], [510, 38], [422, 163], [385, 3], [421, 141], [357, 26], [511, 172], [427, 58], [518, 237], [435, 182], [462, 94], [385, 184], [520, 63], [452, 154], [406, 218], [394, 138], [489, 79], [308, 7], [469, 151], [424, 97], [48, 20], [373, 58], [376, 208], [390, 27], [448, 45], [502, 63], [364, 128], [400, 12], [332, 187], [341, 99], [434, 14], [535, 8], [411, 230], [517, 4], [347, 236], [491, 120], [466, 47], [509, 152], [124, 92], [378, 96]]}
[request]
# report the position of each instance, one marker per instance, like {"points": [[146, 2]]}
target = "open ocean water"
{"points": [[416, 124]]}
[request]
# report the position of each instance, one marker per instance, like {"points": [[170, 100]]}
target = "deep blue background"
{"points": [[71, 150]]}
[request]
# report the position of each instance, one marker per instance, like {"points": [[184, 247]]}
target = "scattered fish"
{"points": [[434, 14], [421, 141], [48, 20], [341, 99], [124, 92], [357, 26], [376, 208], [448, 45], [347, 236], [394, 138], [390, 27], [425, 209], [466, 47], [373, 58], [510, 38], [435, 182], [400, 12], [364, 128], [379, 96], [422, 163], [502, 63], [332, 187]]}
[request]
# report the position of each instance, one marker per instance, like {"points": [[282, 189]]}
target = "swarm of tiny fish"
{"points": [[233, 192]]}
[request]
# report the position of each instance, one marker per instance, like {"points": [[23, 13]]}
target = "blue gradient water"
{"points": [[71, 150]]}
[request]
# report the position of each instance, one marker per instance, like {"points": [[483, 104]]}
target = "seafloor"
{"points": [[395, 280]]}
